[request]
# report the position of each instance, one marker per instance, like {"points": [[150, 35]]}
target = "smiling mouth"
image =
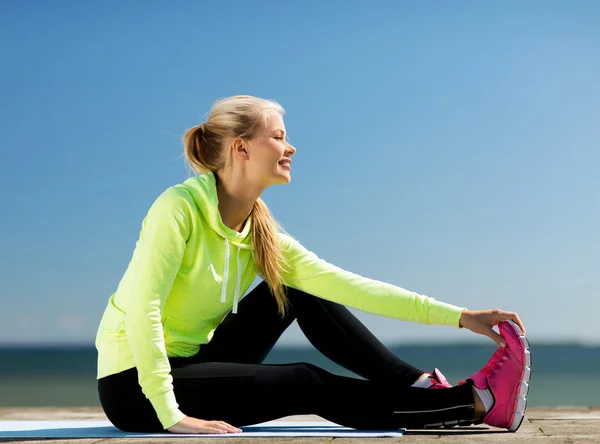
{"points": [[285, 163]]}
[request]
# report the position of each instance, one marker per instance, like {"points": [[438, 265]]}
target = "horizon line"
{"points": [[433, 343]]}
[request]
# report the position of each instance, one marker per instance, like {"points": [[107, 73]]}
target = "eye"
{"points": [[279, 137]]}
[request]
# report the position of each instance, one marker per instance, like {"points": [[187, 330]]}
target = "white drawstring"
{"points": [[236, 296], [225, 272]]}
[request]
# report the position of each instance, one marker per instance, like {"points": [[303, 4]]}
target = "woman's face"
{"points": [[269, 154]]}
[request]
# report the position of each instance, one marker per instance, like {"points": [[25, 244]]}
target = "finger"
{"points": [[201, 430], [229, 427], [519, 323], [212, 427], [498, 316], [510, 316], [496, 337], [223, 424], [221, 427], [213, 430]]}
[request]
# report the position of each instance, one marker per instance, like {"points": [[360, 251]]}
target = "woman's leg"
{"points": [[245, 394], [340, 336], [249, 335]]}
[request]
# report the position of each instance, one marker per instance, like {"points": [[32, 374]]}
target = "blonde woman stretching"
{"points": [[180, 350]]}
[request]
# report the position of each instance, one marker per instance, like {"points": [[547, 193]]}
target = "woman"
{"points": [[178, 350]]}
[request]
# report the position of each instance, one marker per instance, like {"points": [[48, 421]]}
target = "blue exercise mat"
{"points": [[104, 429]]}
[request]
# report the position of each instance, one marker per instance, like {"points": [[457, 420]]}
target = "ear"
{"points": [[239, 147]]}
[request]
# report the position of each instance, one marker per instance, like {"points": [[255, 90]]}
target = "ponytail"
{"points": [[197, 150], [267, 252]]}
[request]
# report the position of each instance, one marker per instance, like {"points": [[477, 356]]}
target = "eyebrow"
{"points": [[282, 131]]}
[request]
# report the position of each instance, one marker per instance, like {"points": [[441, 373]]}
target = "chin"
{"points": [[284, 180], [280, 179]]}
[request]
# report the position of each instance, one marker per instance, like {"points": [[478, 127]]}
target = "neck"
{"points": [[236, 200]]}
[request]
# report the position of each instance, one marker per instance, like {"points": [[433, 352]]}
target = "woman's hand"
{"points": [[482, 321], [194, 425]]}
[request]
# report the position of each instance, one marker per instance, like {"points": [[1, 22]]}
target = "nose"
{"points": [[291, 149]]}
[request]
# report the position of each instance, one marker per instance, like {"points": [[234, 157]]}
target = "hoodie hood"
{"points": [[203, 189]]}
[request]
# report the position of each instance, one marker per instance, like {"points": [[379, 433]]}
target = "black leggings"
{"points": [[227, 381]]}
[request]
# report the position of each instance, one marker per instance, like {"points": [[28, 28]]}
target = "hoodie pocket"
{"points": [[113, 320], [182, 335]]}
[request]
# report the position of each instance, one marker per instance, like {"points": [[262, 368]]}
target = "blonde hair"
{"points": [[205, 151]]}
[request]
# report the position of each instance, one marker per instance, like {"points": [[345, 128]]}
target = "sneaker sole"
{"points": [[521, 401]]}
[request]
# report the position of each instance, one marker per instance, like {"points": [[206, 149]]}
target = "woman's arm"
{"points": [[307, 272], [142, 294]]}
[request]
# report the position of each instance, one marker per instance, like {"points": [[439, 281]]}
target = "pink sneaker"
{"points": [[439, 380], [506, 375]]}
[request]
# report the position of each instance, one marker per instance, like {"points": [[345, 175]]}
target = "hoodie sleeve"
{"points": [[307, 272], [144, 289]]}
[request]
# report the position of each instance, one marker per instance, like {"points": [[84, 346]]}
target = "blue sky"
{"points": [[450, 148]]}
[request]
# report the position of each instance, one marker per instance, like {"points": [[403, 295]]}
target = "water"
{"points": [[561, 374]]}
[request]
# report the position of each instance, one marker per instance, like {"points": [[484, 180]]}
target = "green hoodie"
{"points": [[189, 270]]}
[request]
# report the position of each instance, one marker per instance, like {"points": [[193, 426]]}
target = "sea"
{"points": [[561, 374]]}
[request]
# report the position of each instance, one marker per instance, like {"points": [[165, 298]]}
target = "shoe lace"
{"points": [[493, 361], [487, 370]]}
